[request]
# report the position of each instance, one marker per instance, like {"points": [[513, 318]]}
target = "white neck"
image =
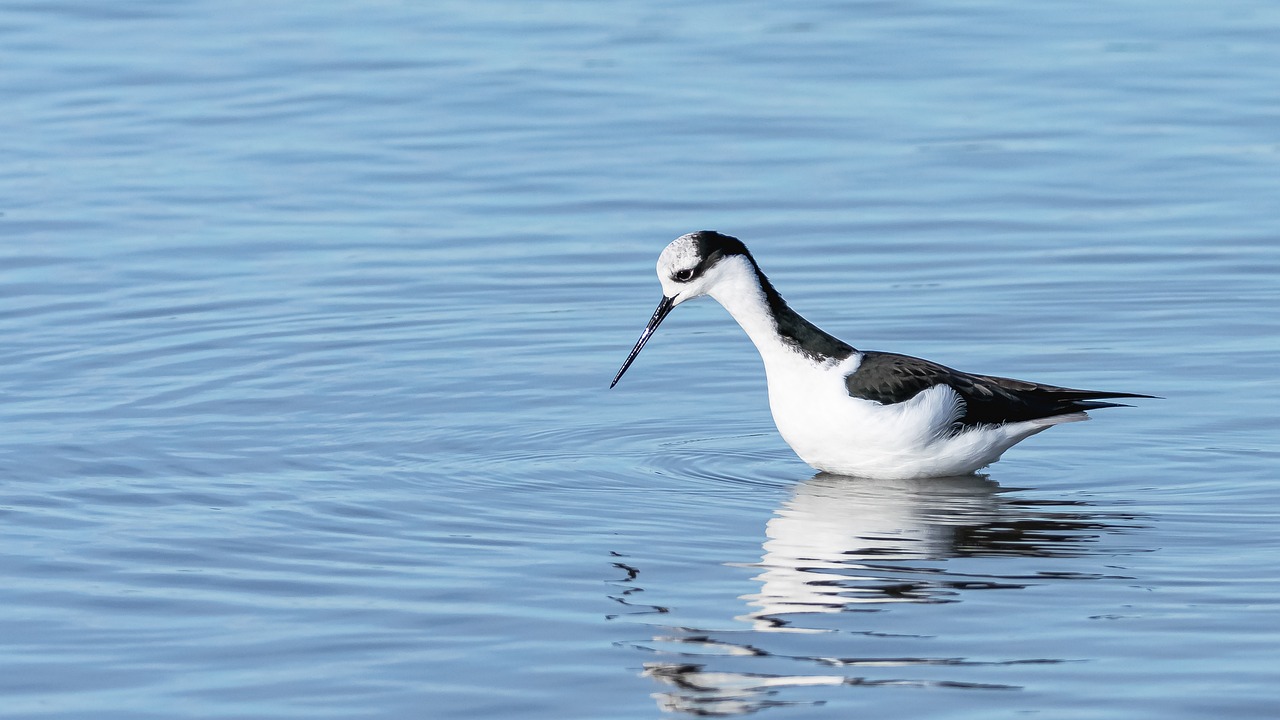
{"points": [[738, 290]]}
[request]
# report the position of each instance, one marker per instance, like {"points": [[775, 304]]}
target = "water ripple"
{"points": [[310, 313]]}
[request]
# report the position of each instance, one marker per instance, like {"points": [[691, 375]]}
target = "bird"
{"points": [[855, 412]]}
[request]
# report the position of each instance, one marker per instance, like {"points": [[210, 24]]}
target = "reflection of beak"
{"points": [[664, 307]]}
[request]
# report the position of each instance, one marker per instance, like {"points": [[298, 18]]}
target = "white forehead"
{"points": [[680, 254]]}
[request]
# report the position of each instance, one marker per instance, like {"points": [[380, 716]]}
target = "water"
{"points": [[310, 312]]}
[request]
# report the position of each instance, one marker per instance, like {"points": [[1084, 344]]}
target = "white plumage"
{"points": [[860, 413]]}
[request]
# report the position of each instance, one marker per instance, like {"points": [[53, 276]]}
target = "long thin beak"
{"points": [[664, 307]]}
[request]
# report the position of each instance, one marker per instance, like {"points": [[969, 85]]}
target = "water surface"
{"points": [[310, 313]]}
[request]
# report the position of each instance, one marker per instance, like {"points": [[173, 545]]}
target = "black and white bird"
{"points": [[859, 412]]}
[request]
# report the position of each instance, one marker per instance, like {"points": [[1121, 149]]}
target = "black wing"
{"points": [[889, 378]]}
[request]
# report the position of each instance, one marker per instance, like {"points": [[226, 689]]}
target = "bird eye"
{"points": [[683, 275]]}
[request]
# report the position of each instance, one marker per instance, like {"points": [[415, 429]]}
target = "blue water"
{"points": [[310, 311]]}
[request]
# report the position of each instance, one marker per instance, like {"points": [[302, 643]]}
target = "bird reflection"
{"points": [[841, 542], [842, 545]]}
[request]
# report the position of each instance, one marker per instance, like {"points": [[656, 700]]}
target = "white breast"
{"points": [[838, 433]]}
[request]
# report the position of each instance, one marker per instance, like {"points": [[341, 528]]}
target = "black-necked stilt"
{"points": [[855, 412]]}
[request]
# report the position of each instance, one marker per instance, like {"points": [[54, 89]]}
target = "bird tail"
{"points": [[1081, 400]]}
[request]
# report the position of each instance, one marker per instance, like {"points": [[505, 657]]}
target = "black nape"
{"points": [[802, 334]]}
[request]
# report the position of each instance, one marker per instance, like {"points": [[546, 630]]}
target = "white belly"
{"points": [[841, 434]]}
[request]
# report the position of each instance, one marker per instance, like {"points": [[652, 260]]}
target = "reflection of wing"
{"points": [[820, 540]]}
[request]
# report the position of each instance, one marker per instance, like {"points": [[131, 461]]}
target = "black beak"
{"points": [[664, 307]]}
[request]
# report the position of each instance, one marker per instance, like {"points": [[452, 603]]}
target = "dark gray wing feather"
{"points": [[889, 378]]}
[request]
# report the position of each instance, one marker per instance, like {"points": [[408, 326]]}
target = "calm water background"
{"points": [[309, 313]]}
